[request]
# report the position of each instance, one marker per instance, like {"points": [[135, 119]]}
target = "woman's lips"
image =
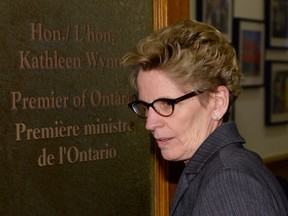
{"points": [[163, 141]]}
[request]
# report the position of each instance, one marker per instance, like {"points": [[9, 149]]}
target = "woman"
{"points": [[187, 77]]}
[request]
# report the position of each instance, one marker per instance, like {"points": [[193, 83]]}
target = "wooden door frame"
{"points": [[165, 12]]}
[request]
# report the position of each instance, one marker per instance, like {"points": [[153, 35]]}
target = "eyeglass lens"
{"points": [[163, 107]]}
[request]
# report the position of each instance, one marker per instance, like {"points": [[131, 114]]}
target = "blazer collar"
{"points": [[222, 136]]}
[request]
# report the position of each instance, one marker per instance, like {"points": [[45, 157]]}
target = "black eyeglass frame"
{"points": [[167, 100]]}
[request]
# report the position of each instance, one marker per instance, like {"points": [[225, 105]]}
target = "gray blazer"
{"points": [[223, 178]]}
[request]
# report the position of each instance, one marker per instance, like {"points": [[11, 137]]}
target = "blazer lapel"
{"points": [[182, 186]]}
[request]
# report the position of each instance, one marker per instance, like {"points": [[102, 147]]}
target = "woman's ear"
{"points": [[221, 102]]}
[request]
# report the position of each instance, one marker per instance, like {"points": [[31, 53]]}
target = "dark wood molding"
{"points": [[166, 12], [178, 10]]}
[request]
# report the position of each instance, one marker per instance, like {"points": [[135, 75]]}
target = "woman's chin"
{"points": [[169, 155]]}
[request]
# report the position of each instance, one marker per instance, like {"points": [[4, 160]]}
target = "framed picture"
{"points": [[276, 92], [276, 14], [249, 41], [218, 13]]}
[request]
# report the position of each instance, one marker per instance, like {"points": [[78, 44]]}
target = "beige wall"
{"points": [[270, 142]]}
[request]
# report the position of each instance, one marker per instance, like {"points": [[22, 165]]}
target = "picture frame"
{"points": [[276, 15], [249, 42], [218, 13], [276, 92]]}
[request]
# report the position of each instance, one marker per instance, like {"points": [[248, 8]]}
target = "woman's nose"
{"points": [[153, 120]]}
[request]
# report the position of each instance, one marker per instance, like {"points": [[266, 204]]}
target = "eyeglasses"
{"points": [[162, 106]]}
